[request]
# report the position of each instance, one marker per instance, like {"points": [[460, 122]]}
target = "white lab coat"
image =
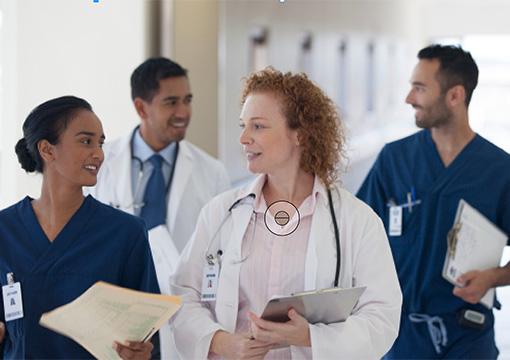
{"points": [[198, 177], [366, 260]]}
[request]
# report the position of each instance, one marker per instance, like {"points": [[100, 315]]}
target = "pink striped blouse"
{"points": [[276, 264]]}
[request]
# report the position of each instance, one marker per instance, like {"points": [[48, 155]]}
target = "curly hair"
{"points": [[315, 116]]}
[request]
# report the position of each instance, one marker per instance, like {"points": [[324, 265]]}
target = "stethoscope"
{"points": [[212, 260], [140, 172]]}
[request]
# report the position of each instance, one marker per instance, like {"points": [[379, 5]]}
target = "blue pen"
{"points": [[413, 197], [149, 334]]}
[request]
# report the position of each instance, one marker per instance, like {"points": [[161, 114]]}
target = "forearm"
{"points": [[500, 276], [218, 342], [192, 330]]}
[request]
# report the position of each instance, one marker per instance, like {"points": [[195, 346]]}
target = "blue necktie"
{"points": [[154, 210]]}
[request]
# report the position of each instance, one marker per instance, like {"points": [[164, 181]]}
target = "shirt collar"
{"points": [[255, 187], [143, 151]]}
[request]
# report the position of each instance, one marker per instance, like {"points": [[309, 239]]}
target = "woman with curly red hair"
{"points": [[294, 141]]}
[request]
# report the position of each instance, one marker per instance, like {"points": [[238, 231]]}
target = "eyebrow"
{"points": [[418, 83], [189, 96], [255, 118], [88, 133]]}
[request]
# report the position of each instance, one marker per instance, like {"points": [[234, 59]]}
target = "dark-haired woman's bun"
{"points": [[25, 159]]}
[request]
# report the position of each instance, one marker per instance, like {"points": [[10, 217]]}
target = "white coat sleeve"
{"points": [[373, 326], [194, 325]]}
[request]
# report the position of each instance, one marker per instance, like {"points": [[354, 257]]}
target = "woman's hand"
{"points": [[133, 349], [293, 332], [2, 331], [239, 346]]}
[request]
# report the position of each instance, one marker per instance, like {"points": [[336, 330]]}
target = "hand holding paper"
{"points": [[133, 350], [105, 314], [475, 246], [478, 283], [2, 331]]}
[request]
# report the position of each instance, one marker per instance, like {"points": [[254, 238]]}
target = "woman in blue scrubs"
{"points": [[60, 244]]}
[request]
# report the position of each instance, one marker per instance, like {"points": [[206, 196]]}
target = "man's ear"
{"points": [[141, 108], [456, 95], [46, 150]]}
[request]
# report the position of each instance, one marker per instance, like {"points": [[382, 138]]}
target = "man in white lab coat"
{"points": [[161, 94]]}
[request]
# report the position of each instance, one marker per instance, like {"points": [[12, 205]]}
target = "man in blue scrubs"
{"points": [[421, 179]]}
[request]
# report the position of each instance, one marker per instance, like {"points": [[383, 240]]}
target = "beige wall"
{"points": [[196, 49]]}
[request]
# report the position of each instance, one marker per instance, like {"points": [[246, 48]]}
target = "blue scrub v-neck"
{"points": [[49, 252]]}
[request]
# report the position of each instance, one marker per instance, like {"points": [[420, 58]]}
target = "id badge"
{"points": [[210, 282], [395, 221], [13, 304]]}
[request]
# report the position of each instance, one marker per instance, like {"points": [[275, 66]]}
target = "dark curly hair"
{"points": [[312, 113]]}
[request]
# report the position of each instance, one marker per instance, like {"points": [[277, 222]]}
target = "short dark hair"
{"points": [[145, 79], [46, 122], [457, 67]]}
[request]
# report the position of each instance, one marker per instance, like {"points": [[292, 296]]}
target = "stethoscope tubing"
{"points": [[212, 261], [140, 172], [337, 238]]}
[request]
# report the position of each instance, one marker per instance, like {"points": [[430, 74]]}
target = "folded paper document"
{"points": [[106, 313], [319, 306], [474, 243]]}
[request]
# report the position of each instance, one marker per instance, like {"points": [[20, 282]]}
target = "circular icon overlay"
{"points": [[282, 218], [283, 213]]}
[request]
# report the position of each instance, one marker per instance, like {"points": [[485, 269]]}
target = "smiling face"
{"points": [[166, 118], [78, 155], [270, 146], [426, 96]]}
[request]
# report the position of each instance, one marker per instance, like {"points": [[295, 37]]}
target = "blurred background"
{"points": [[361, 52]]}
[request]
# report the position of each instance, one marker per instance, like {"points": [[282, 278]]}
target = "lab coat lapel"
{"points": [[228, 287], [320, 260], [119, 161], [183, 167]]}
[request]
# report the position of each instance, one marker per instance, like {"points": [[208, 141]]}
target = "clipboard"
{"points": [[325, 306], [474, 243]]}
